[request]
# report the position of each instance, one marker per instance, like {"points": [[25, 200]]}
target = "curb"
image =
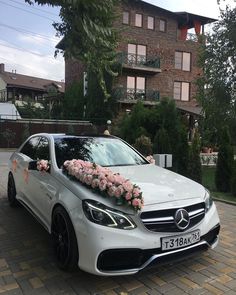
{"points": [[7, 150], [224, 201]]}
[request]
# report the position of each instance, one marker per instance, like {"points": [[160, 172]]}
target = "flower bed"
{"points": [[106, 182]]}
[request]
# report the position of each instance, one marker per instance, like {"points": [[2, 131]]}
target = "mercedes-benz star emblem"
{"points": [[182, 219]]}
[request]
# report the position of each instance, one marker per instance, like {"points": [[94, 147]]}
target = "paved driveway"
{"points": [[27, 265]]}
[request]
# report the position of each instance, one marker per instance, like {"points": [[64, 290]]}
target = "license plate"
{"points": [[179, 241]]}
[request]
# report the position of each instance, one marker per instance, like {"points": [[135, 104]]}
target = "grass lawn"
{"points": [[208, 180]]}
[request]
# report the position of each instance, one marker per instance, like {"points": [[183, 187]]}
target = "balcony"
{"points": [[137, 62], [130, 95]]}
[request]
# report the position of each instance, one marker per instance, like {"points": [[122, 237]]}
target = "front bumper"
{"points": [[108, 251], [134, 260]]}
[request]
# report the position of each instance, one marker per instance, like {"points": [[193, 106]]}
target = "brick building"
{"points": [[158, 52]]}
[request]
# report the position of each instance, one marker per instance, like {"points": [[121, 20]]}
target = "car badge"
{"points": [[182, 219]]}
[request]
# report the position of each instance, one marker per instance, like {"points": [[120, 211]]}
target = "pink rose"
{"points": [[128, 186], [119, 191], [95, 183], [119, 179], [136, 192], [88, 179], [101, 176], [103, 184], [128, 196], [111, 177], [111, 191], [66, 163], [109, 184], [136, 202]]}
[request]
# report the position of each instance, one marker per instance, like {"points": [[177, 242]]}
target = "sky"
{"points": [[27, 37]]}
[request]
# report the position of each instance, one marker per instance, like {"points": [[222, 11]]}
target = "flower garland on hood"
{"points": [[105, 181]]}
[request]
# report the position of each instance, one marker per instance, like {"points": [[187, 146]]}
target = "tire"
{"points": [[11, 191], [64, 240]]}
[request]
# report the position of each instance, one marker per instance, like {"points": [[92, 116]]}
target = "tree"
{"points": [[9, 136], [89, 35], [224, 165], [161, 143], [218, 60], [73, 102], [98, 109], [183, 152], [144, 145], [194, 167], [233, 180]]}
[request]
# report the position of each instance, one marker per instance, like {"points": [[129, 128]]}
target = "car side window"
{"points": [[42, 151], [29, 148]]}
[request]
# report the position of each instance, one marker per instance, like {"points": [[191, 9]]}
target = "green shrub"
{"points": [[144, 145], [194, 166], [182, 155], [161, 143], [224, 164], [233, 180]]}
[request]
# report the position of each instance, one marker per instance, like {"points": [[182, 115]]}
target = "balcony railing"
{"points": [[140, 61], [131, 94]]}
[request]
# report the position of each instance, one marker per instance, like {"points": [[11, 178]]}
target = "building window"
{"points": [[125, 17], [137, 54], [136, 87], [162, 27], [181, 91], [150, 23], [183, 61], [138, 20], [10, 95]]}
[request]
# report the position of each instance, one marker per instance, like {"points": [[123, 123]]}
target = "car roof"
{"points": [[82, 135]]}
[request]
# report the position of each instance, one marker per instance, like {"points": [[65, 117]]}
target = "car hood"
{"points": [[160, 185]]}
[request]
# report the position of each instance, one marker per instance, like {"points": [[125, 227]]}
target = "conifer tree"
{"points": [[224, 166], [194, 167]]}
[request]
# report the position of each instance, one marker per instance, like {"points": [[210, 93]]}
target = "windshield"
{"points": [[100, 150]]}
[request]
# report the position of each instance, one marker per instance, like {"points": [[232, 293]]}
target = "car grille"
{"points": [[163, 220]]}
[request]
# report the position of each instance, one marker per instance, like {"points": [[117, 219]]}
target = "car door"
{"points": [[42, 185], [20, 169]]}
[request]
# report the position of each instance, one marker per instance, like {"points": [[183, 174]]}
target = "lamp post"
{"points": [[109, 126]]}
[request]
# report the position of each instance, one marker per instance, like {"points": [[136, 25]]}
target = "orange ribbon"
{"points": [[26, 175], [14, 165]]}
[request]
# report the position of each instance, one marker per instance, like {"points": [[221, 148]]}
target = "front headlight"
{"points": [[208, 200], [103, 215]]}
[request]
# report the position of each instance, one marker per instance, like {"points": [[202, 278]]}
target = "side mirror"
{"points": [[32, 165]]}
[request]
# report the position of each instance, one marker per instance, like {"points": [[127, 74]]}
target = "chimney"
{"points": [[2, 68]]}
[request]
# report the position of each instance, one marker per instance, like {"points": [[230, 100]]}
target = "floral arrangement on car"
{"points": [[43, 165], [150, 159], [106, 182]]}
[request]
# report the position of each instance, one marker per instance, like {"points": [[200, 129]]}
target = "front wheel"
{"points": [[11, 191], [64, 240]]}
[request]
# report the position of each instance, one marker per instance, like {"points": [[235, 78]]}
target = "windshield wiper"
{"points": [[120, 165]]}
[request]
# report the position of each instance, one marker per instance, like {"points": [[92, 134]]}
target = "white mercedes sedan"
{"points": [[108, 210]]}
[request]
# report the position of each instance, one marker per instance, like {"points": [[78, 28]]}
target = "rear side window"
{"points": [[30, 147]]}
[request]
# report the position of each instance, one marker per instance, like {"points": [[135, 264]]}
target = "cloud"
{"points": [[30, 64], [38, 40], [202, 7]]}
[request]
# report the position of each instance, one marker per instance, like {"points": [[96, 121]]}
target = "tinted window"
{"points": [[29, 149], [42, 151], [102, 151]]}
